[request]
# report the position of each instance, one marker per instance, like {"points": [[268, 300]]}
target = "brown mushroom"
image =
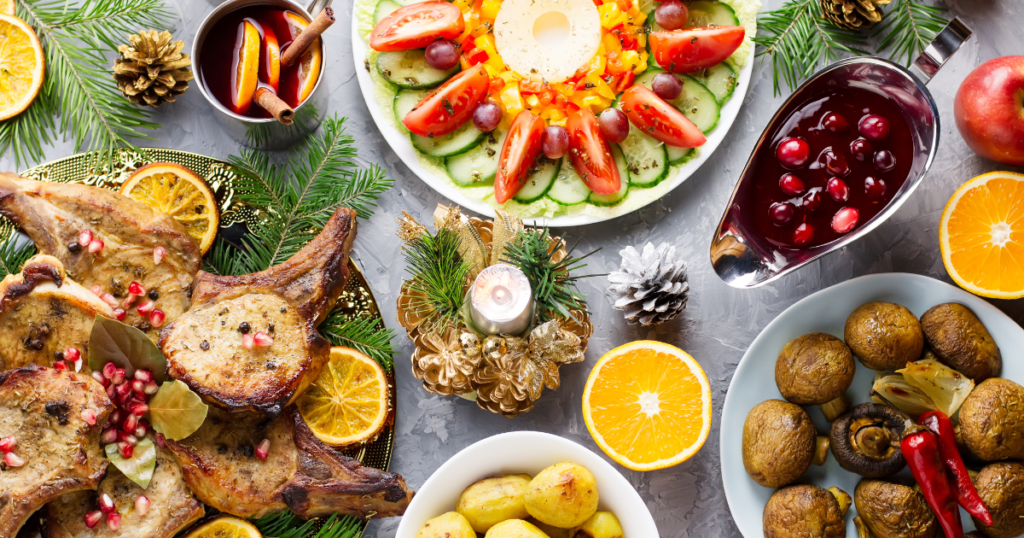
{"points": [[894, 511], [802, 511], [866, 440], [961, 341], [816, 369], [884, 336], [1001, 486], [779, 442], [992, 420]]}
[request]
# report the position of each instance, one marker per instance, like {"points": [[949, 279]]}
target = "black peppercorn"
{"points": [[153, 295], [204, 345], [74, 248], [58, 355], [36, 344], [244, 327]]}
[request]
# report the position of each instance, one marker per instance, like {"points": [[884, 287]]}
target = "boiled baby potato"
{"points": [[515, 528], [600, 525], [493, 500], [563, 495], [449, 525]]}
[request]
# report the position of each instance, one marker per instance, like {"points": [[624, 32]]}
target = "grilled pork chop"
{"points": [[42, 313], [300, 472], [205, 347], [172, 508], [55, 214], [42, 409]]}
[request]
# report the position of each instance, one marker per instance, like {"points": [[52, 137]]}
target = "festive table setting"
{"points": [[511, 269]]}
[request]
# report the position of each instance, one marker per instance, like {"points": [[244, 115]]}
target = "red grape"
{"points": [[791, 185], [555, 142], [442, 54], [667, 86], [487, 116], [671, 15], [614, 125], [793, 152], [874, 127]]}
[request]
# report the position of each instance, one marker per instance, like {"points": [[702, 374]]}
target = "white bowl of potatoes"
{"points": [[527, 485]]}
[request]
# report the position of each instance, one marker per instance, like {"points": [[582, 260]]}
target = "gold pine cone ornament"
{"points": [[152, 69], [853, 14]]}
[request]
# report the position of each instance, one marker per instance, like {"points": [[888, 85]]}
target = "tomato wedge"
{"points": [[590, 154], [652, 115], [448, 107], [415, 26], [520, 150], [694, 49]]}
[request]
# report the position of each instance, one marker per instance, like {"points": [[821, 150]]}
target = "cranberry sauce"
{"points": [[218, 62], [831, 166]]}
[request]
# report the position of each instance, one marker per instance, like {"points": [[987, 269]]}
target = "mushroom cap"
{"points": [[884, 336], [814, 369], [961, 341], [992, 420], [866, 440], [802, 511], [778, 443], [894, 511], [1001, 486]]}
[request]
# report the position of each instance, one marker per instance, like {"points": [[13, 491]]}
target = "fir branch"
{"points": [[908, 27], [554, 285], [799, 39], [14, 252], [361, 333], [286, 524], [439, 275]]}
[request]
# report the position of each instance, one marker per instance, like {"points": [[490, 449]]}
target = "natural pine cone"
{"points": [[152, 70], [651, 287], [853, 14]]}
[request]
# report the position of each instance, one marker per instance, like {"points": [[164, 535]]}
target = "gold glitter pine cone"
{"points": [[446, 363], [152, 70], [853, 14]]}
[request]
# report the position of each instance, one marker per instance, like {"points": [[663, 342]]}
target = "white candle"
{"points": [[501, 300]]}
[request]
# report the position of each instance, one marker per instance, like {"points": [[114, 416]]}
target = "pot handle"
{"points": [[946, 43], [316, 6]]}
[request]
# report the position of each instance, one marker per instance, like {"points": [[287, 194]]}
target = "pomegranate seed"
{"points": [[141, 429], [118, 376], [838, 190], [114, 519], [156, 319], [120, 314], [8, 443], [109, 299], [123, 389], [13, 460], [130, 423], [158, 255], [793, 152], [107, 504], [85, 238], [110, 391], [109, 369], [262, 339], [874, 187], [803, 234], [782, 213], [160, 441], [138, 386], [72, 354], [95, 246], [151, 388], [125, 449], [125, 437], [93, 518], [116, 416], [263, 449], [139, 409], [98, 376], [60, 365], [144, 375], [89, 416], [791, 185], [147, 307], [874, 127], [96, 290], [247, 341], [136, 289], [845, 220], [108, 436], [142, 505], [129, 301]]}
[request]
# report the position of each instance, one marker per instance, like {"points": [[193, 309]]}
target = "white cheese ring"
{"points": [[519, 22]]}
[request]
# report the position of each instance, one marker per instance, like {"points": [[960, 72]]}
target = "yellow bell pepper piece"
{"points": [[489, 9], [600, 87], [511, 100], [596, 65], [611, 43], [611, 16], [641, 64], [532, 100]]}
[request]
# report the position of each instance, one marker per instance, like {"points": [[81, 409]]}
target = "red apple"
{"points": [[989, 110]]}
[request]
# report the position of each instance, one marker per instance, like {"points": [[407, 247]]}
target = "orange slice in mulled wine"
{"points": [[309, 64], [247, 60], [270, 67]]}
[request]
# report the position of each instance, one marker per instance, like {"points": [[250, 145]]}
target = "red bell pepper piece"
{"points": [[921, 450], [966, 494]]}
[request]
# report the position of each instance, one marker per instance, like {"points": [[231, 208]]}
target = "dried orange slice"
{"points": [[648, 405], [179, 192], [7, 7], [309, 64], [22, 66], [248, 68], [981, 235], [349, 401], [224, 527]]}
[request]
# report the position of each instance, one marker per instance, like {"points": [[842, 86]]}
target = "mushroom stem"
{"points": [[862, 529], [834, 408], [821, 445], [843, 498]]}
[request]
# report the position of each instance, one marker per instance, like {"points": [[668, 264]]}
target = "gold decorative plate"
{"points": [[356, 301]]}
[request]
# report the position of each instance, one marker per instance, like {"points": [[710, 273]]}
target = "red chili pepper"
{"points": [[966, 494], [921, 450]]}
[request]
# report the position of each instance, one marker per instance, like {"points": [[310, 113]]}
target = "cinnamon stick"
{"points": [[309, 35], [270, 102]]}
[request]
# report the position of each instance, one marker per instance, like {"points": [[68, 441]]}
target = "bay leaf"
{"points": [[138, 468], [176, 411], [125, 346]]}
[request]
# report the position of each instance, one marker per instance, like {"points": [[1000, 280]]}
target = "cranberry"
{"points": [[614, 125], [667, 86], [838, 190], [834, 162], [874, 188], [793, 152], [487, 116], [845, 220], [835, 122], [671, 15], [803, 234], [555, 141], [442, 54], [782, 213], [861, 149], [884, 161], [812, 200], [791, 185], [874, 127]]}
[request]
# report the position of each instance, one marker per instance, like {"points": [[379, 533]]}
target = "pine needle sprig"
{"points": [[286, 524], [14, 252], [799, 40], [908, 27], [362, 333], [553, 283], [439, 276]]}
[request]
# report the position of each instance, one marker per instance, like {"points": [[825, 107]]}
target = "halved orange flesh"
{"points": [[22, 67], [349, 402], [224, 527], [7, 7], [179, 192], [309, 64], [648, 405], [271, 68], [981, 235], [247, 67]]}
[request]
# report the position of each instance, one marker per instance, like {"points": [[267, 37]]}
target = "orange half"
{"points": [[981, 235], [309, 64], [648, 405], [247, 67]]}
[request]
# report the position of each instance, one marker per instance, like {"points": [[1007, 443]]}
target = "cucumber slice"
{"points": [[409, 69], [678, 155], [478, 165], [383, 9], [705, 13], [407, 2], [539, 182], [696, 102], [405, 101], [718, 79], [568, 188], [645, 158], [616, 197], [461, 140]]}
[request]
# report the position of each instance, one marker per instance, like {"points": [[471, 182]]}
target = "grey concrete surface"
{"points": [[719, 323]]}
